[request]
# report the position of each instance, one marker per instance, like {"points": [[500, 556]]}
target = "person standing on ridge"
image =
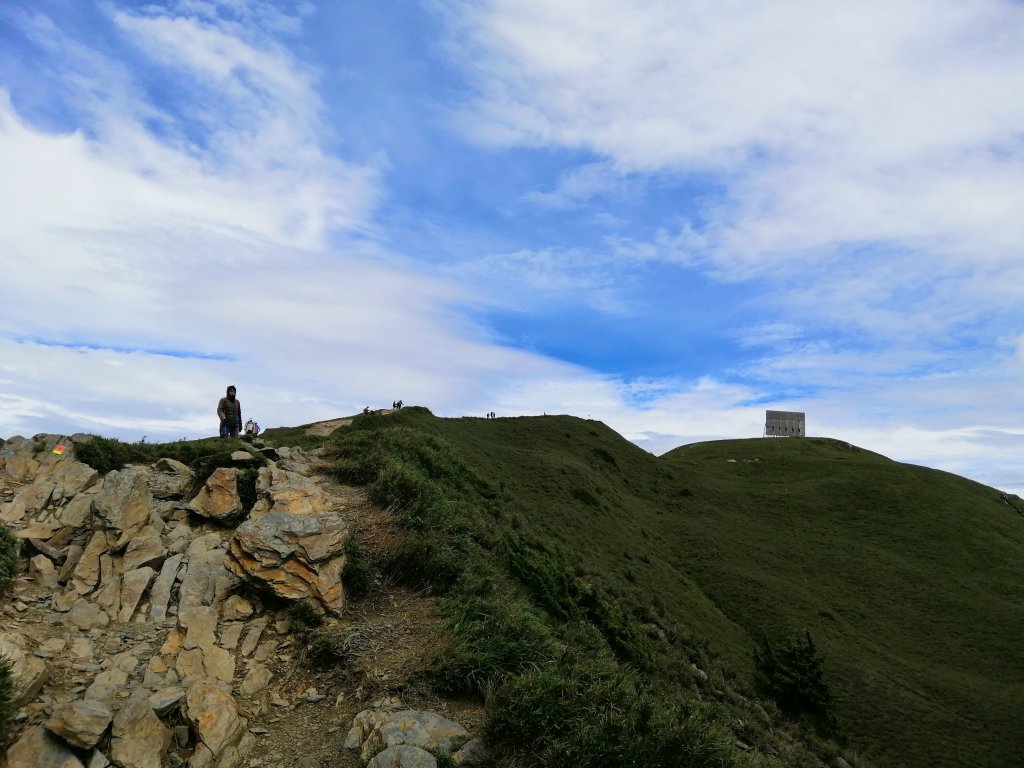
{"points": [[229, 410]]}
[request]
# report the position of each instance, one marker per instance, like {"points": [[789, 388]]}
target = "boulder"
{"points": [[145, 548], [421, 729], [279, 490], [73, 476], [215, 719], [139, 739], [207, 580], [218, 498], [403, 756], [296, 555], [38, 748], [81, 723], [169, 479], [43, 571], [28, 673], [160, 594], [133, 586], [123, 504]]}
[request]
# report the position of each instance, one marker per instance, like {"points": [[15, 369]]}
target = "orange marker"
{"points": [[59, 450]]}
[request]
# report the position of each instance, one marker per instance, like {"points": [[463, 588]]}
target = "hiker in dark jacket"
{"points": [[229, 410]]}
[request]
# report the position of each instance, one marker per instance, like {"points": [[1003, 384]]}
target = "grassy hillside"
{"points": [[910, 580]]}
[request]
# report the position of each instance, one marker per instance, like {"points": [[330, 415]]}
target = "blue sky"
{"points": [[663, 214]]}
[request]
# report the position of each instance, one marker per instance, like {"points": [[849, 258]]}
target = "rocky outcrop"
{"points": [[297, 555], [140, 637]]}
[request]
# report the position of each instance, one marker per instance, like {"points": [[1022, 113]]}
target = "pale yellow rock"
{"points": [[38, 748], [160, 594], [218, 499], [43, 571], [81, 723], [279, 490], [28, 673], [258, 678], [87, 573], [139, 739], [145, 549], [123, 504], [214, 717], [134, 583]]}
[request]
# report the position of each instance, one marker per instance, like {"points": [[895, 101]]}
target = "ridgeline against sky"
{"points": [[665, 215]]}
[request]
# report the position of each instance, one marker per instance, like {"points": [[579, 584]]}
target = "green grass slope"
{"points": [[910, 580]]}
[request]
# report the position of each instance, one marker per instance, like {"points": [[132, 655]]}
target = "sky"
{"points": [[666, 215]]}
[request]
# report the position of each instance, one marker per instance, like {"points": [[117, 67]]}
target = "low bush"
{"points": [[7, 709], [323, 653], [9, 547], [356, 576], [303, 616], [107, 453], [592, 712], [794, 677]]}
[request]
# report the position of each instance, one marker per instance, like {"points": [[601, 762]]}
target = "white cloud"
{"points": [[831, 125]]}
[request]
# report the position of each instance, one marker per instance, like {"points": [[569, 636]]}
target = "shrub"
{"points": [[323, 653], [356, 576], [592, 712], [7, 710], [8, 558], [793, 676], [303, 616]]}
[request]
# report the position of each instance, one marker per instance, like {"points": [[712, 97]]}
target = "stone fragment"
{"points": [[236, 607], [258, 678], [134, 584], [123, 504], [296, 555], [252, 636], [43, 571], [42, 531], [28, 673], [473, 753], [108, 596], [139, 739], [74, 477], [241, 456], [87, 575], [201, 625], [169, 479], [363, 724], [218, 499], [279, 490], [160, 594], [38, 748], [81, 723], [403, 756], [207, 581], [145, 549], [422, 729], [166, 700], [230, 632], [33, 498], [86, 615], [215, 720], [77, 512]]}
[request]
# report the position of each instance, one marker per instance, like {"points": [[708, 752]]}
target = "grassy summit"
{"points": [[910, 580]]}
